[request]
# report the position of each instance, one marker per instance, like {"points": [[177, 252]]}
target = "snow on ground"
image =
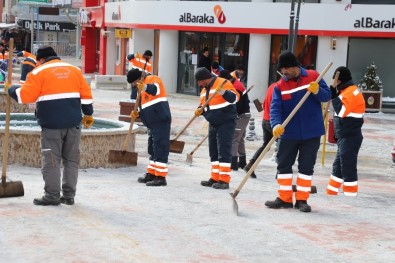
{"points": [[116, 219]]}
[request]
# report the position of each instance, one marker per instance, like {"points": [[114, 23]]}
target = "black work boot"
{"points": [[46, 201], [147, 178], [242, 161], [67, 201], [158, 181], [248, 166], [278, 203], [221, 185], [302, 206], [208, 183], [234, 165]]}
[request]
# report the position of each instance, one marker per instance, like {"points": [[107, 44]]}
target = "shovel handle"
{"points": [[287, 120], [329, 102], [199, 144], [203, 106], [136, 105], [8, 113]]}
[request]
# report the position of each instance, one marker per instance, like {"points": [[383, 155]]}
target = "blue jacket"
{"points": [[308, 121]]}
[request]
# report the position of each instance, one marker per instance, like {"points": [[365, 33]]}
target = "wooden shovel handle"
{"points": [[199, 144], [203, 106], [329, 102], [136, 105], [287, 120], [8, 112]]}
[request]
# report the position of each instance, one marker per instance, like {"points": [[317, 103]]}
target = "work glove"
{"points": [[198, 112], [87, 121], [278, 130], [335, 92], [141, 86], [134, 114], [313, 88]]}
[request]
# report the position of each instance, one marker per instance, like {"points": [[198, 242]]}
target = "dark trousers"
{"points": [[289, 149], [159, 142], [267, 136], [220, 141], [345, 163]]}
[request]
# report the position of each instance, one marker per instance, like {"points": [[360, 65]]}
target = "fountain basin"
{"points": [[96, 142]]}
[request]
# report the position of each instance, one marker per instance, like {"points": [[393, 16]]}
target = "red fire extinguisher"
{"points": [[331, 132]]}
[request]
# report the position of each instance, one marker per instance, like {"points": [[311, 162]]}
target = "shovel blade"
{"points": [[122, 157], [176, 146], [235, 205], [11, 189], [189, 159]]}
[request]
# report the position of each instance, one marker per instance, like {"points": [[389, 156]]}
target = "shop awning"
{"points": [[5, 25]]}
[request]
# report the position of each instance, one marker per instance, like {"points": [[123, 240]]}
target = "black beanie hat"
{"points": [[202, 74], [240, 67], [225, 74], [148, 53], [133, 75], [287, 60], [44, 52], [215, 65], [345, 74]]}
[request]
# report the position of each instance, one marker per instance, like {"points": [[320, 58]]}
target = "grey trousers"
{"points": [[57, 146], [238, 143]]}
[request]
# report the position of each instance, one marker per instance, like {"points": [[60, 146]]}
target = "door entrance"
{"points": [[229, 50]]}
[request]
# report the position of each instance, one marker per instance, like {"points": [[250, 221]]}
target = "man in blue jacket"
{"points": [[302, 135]]}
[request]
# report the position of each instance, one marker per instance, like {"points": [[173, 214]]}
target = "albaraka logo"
{"points": [[368, 22], [204, 19]]}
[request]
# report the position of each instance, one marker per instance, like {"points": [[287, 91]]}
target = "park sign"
{"points": [[46, 2], [33, 1]]}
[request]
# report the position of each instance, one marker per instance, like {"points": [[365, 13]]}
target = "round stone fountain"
{"points": [[96, 142]]}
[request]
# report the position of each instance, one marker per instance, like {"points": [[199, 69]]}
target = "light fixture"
{"points": [[333, 43]]}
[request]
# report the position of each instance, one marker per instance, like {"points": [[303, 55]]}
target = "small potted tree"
{"points": [[372, 89]]}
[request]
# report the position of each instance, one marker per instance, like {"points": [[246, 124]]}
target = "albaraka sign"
{"points": [[47, 25], [368, 22]]}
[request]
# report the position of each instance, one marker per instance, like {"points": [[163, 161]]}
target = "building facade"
{"points": [[249, 33]]}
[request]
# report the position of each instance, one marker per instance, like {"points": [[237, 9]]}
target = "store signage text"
{"points": [[201, 19], [368, 22], [204, 19], [47, 26]]}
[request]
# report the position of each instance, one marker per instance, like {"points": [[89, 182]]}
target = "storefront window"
{"points": [[363, 51], [305, 52], [229, 50]]}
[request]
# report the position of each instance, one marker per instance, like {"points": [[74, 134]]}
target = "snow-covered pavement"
{"points": [[116, 219]]}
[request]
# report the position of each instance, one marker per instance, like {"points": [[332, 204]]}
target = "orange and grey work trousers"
{"points": [[288, 150]]}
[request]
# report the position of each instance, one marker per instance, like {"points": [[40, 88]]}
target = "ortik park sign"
{"points": [[47, 25]]}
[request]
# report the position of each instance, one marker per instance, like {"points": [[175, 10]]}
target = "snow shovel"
{"points": [[189, 155], [8, 189], [257, 161], [123, 156], [178, 146]]}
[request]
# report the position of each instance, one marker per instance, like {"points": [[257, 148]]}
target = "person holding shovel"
{"points": [[141, 62], [60, 93], [243, 117], [154, 112], [302, 134], [349, 108], [221, 115], [28, 64], [266, 128]]}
